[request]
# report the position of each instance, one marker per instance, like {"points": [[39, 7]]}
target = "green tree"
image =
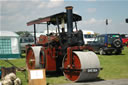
{"points": [[23, 33]]}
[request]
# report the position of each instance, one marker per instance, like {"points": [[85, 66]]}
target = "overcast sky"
{"points": [[14, 14]]}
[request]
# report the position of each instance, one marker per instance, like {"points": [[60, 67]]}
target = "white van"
{"points": [[88, 36]]}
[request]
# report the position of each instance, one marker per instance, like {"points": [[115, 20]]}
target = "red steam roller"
{"points": [[63, 49]]}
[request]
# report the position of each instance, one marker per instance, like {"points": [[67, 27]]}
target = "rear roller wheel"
{"points": [[30, 59], [33, 58]]}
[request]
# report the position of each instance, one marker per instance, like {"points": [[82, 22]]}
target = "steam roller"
{"points": [[63, 50]]}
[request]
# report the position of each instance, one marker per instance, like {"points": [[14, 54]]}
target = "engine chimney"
{"points": [[69, 19]]}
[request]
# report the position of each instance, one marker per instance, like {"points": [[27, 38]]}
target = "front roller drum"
{"points": [[85, 66], [34, 57]]}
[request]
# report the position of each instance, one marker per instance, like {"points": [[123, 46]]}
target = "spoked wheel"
{"points": [[33, 58]]}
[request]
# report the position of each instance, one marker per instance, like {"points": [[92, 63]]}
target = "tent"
{"points": [[9, 45]]}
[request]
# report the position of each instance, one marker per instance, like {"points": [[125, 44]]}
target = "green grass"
{"points": [[114, 67], [19, 63], [57, 80]]}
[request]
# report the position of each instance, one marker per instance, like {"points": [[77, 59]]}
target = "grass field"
{"points": [[114, 67]]}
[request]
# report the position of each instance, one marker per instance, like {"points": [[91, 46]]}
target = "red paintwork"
{"points": [[47, 39], [50, 59], [125, 41], [43, 39], [30, 59], [69, 57], [71, 62]]}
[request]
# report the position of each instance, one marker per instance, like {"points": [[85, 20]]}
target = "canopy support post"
{"points": [[47, 29], [76, 25], [35, 34]]}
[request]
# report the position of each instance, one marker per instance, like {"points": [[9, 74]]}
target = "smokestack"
{"points": [[69, 19]]}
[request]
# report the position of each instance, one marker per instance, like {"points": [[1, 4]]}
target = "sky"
{"points": [[14, 14]]}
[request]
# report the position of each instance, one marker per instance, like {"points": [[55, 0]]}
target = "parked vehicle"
{"points": [[88, 36], [26, 41], [124, 39], [107, 44]]}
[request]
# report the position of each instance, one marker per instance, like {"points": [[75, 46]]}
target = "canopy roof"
{"points": [[52, 19]]}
